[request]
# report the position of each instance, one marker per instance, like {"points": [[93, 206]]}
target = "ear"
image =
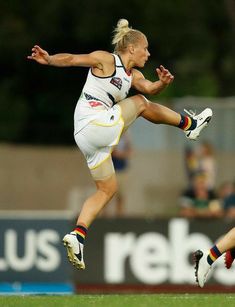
{"points": [[131, 48]]}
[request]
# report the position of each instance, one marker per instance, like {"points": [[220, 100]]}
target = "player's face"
{"points": [[141, 52]]}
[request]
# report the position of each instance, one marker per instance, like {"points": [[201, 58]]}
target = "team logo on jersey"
{"points": [[116, 82]]}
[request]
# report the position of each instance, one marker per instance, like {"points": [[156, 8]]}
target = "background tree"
{"points": [[194, 38]]}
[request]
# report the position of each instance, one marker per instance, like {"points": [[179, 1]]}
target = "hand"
{"points": [[164, 75], [39, 55]]}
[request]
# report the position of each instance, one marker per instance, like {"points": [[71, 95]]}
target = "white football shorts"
{"points": [[96, 140]]}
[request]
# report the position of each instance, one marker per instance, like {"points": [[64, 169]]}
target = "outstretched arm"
{"points": [[66, 59], [147, 87]]}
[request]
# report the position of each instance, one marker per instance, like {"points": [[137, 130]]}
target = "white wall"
{"points": [[57, 178]]}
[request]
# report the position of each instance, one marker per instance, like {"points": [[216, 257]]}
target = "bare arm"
{"points": [[94, 59], [148, 87]]}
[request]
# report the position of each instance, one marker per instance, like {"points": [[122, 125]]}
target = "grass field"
{"points": [[134, 300]]}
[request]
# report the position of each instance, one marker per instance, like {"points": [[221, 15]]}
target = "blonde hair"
{"points": [[124, 35]]}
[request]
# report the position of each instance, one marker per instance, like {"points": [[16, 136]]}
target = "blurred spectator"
{"points": [[207, 163], [191, 164], [199, 201], [229, 203], [224, 190], [201, 159], [121, 155]]}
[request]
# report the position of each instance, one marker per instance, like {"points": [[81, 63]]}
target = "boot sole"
{"points": [[196, 257], [71, 256]]}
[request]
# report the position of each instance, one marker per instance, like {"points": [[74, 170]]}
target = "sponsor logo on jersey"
{"points": [[116, 82], [126, 80]]}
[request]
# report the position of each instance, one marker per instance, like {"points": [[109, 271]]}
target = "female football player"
{"points": [[103, 112]]}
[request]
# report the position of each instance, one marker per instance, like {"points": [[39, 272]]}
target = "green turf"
{"points": [[134, 300]]}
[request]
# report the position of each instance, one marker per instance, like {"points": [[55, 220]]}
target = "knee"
{"points": [[110, 192], [109, 189], [142, 102]]}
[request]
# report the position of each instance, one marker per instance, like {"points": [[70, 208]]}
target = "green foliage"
{"points": [[13, 112], [194, 39]]}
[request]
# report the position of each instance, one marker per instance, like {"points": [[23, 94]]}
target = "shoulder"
{"points": [[102, 56], [137, 74], [104, 63]]}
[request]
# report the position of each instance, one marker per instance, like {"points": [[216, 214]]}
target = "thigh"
{"points": [[104, 170], [131, 108]]}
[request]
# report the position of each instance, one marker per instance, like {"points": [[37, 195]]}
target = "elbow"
{"points": [[68, 61]]}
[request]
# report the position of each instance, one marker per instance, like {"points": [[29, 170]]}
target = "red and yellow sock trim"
{"points": [[80, 232], [187, 124], [213, 255]]}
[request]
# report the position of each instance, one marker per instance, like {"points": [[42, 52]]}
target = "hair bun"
{"points": [[124, 35], [122, 23]]}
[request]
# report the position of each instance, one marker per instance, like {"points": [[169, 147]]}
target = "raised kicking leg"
{"points": [[138, 105]]}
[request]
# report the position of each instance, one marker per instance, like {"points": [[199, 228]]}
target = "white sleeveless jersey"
{"points": [[101, 91]]}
